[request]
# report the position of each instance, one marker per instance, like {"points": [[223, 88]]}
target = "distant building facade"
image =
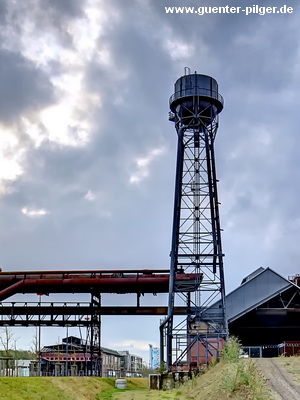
{"points": [[111, 363], [12, 367], [153, 357], [131, 365]]}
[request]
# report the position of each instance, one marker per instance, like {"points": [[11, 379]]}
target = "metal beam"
{"points": [[72, 314]]}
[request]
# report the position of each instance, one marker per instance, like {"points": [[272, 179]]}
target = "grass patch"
{"points": [[30, 389], [68, 388], [231, 378], [292, 365]]}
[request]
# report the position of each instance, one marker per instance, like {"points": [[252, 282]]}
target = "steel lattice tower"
{"points": [[196, 238]]}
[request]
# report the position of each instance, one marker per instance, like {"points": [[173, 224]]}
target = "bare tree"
{"points": [[35, 344], [7, 340]]}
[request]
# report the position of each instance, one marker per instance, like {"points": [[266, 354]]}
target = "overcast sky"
{"points": [[87, 154]]}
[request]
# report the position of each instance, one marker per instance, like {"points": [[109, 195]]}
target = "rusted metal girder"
{"points": [[116, 281]]}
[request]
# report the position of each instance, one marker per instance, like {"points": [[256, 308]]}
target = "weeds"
{"points": [[242, 375], [232, 350]]}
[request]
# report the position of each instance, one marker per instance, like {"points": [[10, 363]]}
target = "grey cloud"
{"points": [[64, 8], [3, 10], [23, 87], [43, 16], [58, 14]]}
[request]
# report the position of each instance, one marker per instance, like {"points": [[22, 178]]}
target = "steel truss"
{"points": [[94, 336], [196, 238], [70, 313]]}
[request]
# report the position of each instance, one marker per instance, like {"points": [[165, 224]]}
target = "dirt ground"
{"points": [[282, 385]]}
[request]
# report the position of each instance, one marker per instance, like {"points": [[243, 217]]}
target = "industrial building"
{"points": [[264, 311], [73, 357]]}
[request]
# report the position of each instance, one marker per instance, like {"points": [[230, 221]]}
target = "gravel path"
{"points": [[279, 380]]}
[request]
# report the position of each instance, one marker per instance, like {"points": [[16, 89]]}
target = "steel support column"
{"points": [[94, 337]]}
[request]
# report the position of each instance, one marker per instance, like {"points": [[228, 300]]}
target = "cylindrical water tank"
{"points": [[196, 95]]}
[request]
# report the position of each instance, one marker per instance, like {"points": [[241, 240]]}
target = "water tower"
{"points": [[196, 239]]}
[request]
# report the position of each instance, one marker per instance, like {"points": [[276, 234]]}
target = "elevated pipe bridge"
{"points": [[94, 281]]}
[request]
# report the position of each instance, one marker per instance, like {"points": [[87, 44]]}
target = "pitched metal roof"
{"points": [[257, 288], [254, 292]]}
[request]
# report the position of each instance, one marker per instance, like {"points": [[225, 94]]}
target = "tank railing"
{"points": [[194, 91]]}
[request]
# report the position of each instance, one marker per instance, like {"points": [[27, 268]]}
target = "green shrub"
{"points": [[243, 375], [232, 350], [161, 369]]}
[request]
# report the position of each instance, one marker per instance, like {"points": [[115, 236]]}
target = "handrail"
{"points": [[196, 91], [85, 272]]}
